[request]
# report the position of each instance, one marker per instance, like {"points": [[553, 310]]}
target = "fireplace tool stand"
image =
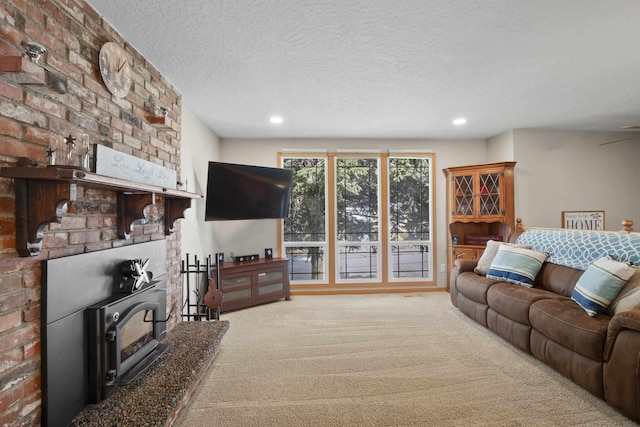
{"points": [[197, 284]]}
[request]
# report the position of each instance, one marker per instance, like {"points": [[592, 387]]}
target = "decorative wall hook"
{"points": [[33, 50], [26, 70], [163, 121]]}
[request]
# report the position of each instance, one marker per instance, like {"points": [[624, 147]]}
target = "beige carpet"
{"points": [[380, 360]]}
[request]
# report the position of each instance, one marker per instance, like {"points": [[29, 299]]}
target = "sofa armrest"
{"points": [[459, 266], [627, 320], [621, 370], [465, 265]]}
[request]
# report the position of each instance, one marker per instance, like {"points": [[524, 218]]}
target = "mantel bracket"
{"points": [[33, 218], [130, 207], [173, 210]]}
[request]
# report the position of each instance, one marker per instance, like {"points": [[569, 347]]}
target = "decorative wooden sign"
{"points": [[116, 164], [583, 220]]}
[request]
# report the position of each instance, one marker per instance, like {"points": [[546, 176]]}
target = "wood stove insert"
{"points": [[81, 295]]}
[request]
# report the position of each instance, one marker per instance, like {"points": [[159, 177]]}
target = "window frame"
{"points": [[378, 243], [430, 242], [324, 245], [385, 280]]}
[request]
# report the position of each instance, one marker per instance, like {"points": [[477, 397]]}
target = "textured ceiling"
{"points": [[392, 68]]}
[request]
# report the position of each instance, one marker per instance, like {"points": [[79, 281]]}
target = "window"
{"points": [[357, 213], [379, 207], [304, 232], [410, 218]]}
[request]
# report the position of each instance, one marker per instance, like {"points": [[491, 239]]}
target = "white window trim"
{"points": [[429, 242], [311, 154], [378, 279]]}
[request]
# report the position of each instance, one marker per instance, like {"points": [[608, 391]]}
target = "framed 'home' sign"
{"points": [[583, 220]]}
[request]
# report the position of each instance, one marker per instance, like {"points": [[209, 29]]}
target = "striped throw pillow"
{"points": [[516, 265], [600, 284], [490, 252]]}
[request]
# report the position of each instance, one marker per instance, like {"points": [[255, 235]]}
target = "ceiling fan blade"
{"points": [[619, 140]]}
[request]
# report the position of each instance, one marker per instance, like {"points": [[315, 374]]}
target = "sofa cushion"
{"points": [[516, 265], [513, 332], [601, 284], [490, 252], [514, 301], [474, 286], [582, 370], [565, 322], [557, 278], [629, 297]]}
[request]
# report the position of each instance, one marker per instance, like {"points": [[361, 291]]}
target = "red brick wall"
{"points": [[32, 120]]}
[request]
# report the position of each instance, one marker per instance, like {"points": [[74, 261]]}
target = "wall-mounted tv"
{"points": [[236, 191]]}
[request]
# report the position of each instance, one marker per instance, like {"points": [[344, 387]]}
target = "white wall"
{"points": [[500, 148], [555, 171], [562, 171], [199, 146], [249, 237]]}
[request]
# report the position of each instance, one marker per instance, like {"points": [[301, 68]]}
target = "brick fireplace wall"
{"points": [[34, 118]]}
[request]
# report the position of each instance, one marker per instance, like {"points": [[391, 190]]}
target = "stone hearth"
{"points": [[158, 395]]}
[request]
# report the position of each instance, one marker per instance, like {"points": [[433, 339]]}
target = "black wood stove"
{"points": [[104, 318]]}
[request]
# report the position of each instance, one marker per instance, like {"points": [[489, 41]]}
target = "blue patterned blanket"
{"points": [[579, 248]]}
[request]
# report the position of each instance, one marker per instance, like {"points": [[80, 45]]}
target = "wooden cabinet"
{"points": [[479, 193], [466, 252], [249, 283], [480, 206]]}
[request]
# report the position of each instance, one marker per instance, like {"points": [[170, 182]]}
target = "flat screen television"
{"points": [[236, 191]]}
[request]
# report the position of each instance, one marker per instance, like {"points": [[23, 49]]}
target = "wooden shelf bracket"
{"points": [[173, 210], [130, 207], [33, 218]]}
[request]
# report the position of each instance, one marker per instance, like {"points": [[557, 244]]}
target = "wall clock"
{"points": [[115, 68]]}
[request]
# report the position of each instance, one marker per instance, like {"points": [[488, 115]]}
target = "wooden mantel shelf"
{"points": [[42, 192]]}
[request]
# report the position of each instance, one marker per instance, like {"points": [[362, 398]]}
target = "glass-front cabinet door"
{"points": [[489, 200], [477, 195], [236, 286], [464, 195], [270, 282]]}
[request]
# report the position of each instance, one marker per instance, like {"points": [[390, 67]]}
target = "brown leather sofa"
{"points": [[601, 353]]}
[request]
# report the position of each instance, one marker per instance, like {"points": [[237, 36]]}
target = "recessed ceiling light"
{"points": [[460, 121], [275, 120]]}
